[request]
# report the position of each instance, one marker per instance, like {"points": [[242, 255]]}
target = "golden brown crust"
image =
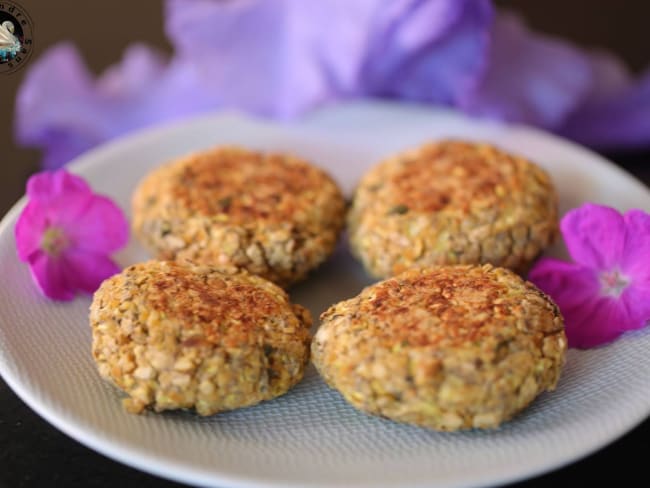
{"points": [[272, 214], [184, 336], [452, 202], [447, 347]]}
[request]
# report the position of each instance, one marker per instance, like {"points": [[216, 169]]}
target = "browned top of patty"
{"points": [[448, 306], [208, 306], [451, 174], [238, 184]]}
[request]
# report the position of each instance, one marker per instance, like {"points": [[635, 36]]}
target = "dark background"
{"points": [[33, 454]]}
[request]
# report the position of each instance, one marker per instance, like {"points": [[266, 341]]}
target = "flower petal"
{"points": [[616, 112], [62, 210], [61, 108], [635, 262], [635, 265], [636, 300], [85, 270], [576, 291], [51, 277], [530, 77], [55, 106], [594, 236], [29, 229], [144, 89], [597, 322], [569, 285], [432, 51], [101, 228], [47, 185], [590, 318], [60, 147], [272, 57], [423, 50], [55, 199]]}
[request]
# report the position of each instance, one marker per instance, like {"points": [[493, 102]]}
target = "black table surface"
{"points": [[35, 454]]}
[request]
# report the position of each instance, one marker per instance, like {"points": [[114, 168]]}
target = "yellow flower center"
{"points": [[613, 283], [54, 241]]}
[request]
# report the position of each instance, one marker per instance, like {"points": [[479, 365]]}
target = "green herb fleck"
{"points": [[398, 210], [225, 203], [165, 229]]}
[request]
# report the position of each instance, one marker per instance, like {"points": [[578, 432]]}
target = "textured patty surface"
{"points": [[272, 214], [183, 336], [452, 202], [448, 347]]}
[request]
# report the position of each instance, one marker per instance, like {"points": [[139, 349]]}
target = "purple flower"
{"points": [[432, 51], [606, 292], [616, 111], [539, 80], [280, 58], [66, 232], [61, 108], [530, 78], [270, 57]]}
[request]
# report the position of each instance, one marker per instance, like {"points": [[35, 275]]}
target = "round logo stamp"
{"points": [[16, 42]]}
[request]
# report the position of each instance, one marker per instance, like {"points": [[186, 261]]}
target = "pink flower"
{"points": [[606, 292], [66, 232]]}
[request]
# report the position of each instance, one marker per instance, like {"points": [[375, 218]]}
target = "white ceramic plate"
{"points": [[311, 437]]}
